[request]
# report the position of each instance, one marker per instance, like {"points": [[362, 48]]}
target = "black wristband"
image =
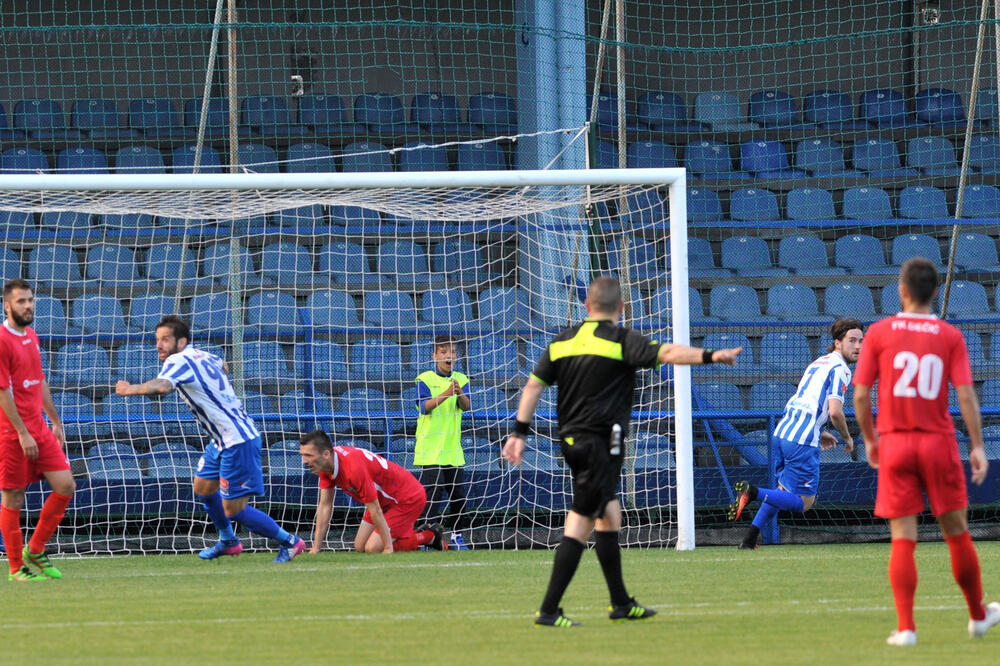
{"points": [[706, 356], [521, 428]]}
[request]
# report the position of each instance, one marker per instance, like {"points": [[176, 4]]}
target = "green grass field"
{"points": [[781, 604]]}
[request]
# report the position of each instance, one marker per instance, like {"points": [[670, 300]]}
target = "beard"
{"points": [[22, 320]]}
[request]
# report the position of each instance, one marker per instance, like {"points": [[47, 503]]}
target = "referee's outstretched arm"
{"points": [[684, 355]]}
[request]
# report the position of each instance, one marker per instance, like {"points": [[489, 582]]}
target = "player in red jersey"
{"points": [[29, 451], [913, 356], [393, 497]]}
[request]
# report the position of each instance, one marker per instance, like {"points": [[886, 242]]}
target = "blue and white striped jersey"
{"points": [[199, 378], [806, 412]]}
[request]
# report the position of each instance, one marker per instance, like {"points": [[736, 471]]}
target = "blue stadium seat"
{"points": [[721, 111], [15, 224], [810, 203], [5, 132], [890, 304], [967, 299], [211, 313], [849, 299], [404, 262], [989, 396], [309, 158], [77, 412], [721, 396], [178, 465], [493, 113], [332, 309], [328, 362], [355, 216], [82, 365], [114, 266], [270, 117], [644, 209], [794, 302], [437, 113], [81, 159], [493, 358], [286, 264], [481, 157], [265, 362], [771, 395], [485, 398], [867, 203], [822, 158], [664, 112], [831, 110], [974, 345], [701, 261], [767, 159], [215, 265], [113, 463], [734, 302], [216, 119], [939, 107], [806, 255], [147, 310], [136, 362], [100, 315], [774, 109], [165, 262], [346, 263], [367, 409], [389, 309], [880, 158], [461, 261], [156, 117], [933, 155], [99, 119], [177, 416], [906, 246], [981, 201], [139, 159], [10, 263], [995, 343], [707, 159], [54, 265], [650, 155], [134, 415], [23, 160], [257, 404], [923, 202], [503, 308], [365, 156], [257, 158], [326, 115], [645, 259], [753, 204], [782, 351], [50, 318], [749, 256], [183, 159], [43, 119], [376, 360], [272, 314], [703, 206], [66, 221], [421, 157], [886, 109], [607, 113], [976, 252], [291, 405], [450, 307], [309, 219], [382, 113], [984, 154]]}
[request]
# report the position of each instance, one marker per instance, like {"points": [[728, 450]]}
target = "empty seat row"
{"points": [[267, 116]]}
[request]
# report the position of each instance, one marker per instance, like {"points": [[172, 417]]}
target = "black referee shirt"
{"points": [[594, 365]]}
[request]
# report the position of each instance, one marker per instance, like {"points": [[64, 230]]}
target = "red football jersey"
{"points": [[21, 368], [913, 357], [366, 476]]}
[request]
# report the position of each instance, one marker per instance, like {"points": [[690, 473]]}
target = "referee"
{"points": [[594, 364]]}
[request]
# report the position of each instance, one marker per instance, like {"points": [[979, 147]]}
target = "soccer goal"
{"points": [[325, 291]]}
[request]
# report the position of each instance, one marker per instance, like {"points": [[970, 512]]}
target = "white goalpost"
{"points": [[345, 279]]}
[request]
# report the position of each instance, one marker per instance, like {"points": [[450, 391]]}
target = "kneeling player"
{"points": [[393, 497]]}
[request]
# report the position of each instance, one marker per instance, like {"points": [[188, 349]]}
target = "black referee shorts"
{"points": [[596, 473]]}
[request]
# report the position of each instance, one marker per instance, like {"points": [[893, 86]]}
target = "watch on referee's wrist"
{"points": [[706, 356]]}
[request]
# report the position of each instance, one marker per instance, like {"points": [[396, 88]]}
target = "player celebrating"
{"points": [[393, 497], [799, 435], [914, 355], [594, 364], [232, 458], [29, 451]]}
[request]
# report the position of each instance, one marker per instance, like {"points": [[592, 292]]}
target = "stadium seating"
{"points": [[734, 302], [265, 362], [774, 109], [462, 261], [481, 157], [974, 345], [376, 360], [99, 119], [10, 263], [494, 359], [448, 307], [326, 115], [703, 206], [939, 107], [382, 113], [302, 219], [984, 154], [365, 156], [890, 300], [708, 159], [976, 252], [5, 132], [367, 409], [327, 363], [23, 160], [753, 204], [66, 221], [701, 261], [404, 262], [346, 263], [806, 255], [139, 159], [99, 315], [157, 118], [43, 119], [178, 420], [809, 203], [749, 256], [644, 259], [794, 302], [145, 311], [771, 395], [15, 224], [650, 155], [785, 351], [906, 246], [83, 365], [867, 203], [720, 396], [183, 159], [822, 158], [848, 299], [270, 117], [257, 158], [664, 112], [967, 299], [50, 318], [286, 264], [136, 362], [932, 155], [989, 396], [493, 113], [272, 314], [54, 266], [133, 416], [504, 308], [309, 158], [77, 412], [114, 266], [981, 201], [420, 157], [721, 111], [767, 159], [332, 309], [215, 265], [216, 118], [886, 109], [111, 463], [831, 110], [389, 309], [880, 159], [81, 159], [437, 113], [165, 262]]}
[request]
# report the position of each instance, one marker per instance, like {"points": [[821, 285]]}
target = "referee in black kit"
{"points": [[594, 364]]}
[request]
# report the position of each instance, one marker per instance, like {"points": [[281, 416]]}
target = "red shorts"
{"points": [[16, 471], [912, 462], [401, 517]]}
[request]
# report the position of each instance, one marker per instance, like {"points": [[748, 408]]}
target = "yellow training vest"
{"points": [[439, 434]]}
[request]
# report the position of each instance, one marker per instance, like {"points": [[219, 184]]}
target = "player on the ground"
{"points": [[393, 497], [913, 355], [594, 364], [799, 435], [29, 450], [229, 471]]}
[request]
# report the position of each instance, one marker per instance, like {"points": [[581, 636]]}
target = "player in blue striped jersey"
{"points": [[229, 471], [799, 435]]}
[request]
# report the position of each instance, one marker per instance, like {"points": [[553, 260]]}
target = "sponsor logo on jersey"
{"points": [[28, 383], [26, 341]]}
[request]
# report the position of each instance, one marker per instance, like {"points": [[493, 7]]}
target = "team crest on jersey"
{"points": [[223, 484]]}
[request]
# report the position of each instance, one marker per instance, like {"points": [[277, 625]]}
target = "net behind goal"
{"points": [[324, 292]]}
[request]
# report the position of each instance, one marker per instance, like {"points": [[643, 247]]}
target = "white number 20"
{"points": [[928, 369], [374, 457]]}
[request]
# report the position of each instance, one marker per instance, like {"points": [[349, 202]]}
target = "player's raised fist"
{"points": [[121, 388]]}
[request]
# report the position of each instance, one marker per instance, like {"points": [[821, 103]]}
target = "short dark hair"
{"points": [[319, 439], [443, 339], [177, 326], [839, 329], [921, 279], [16, 283], [605, 294]]}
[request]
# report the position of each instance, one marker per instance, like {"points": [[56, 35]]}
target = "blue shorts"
{"points": [[237, 469], [798, 468]]}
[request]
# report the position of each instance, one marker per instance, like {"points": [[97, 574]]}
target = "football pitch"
{"points": [[781, 604]]}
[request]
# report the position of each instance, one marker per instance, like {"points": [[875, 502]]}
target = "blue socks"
{"points": [[213, 505], [764, 514], [264, 525], [780, 499]]}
